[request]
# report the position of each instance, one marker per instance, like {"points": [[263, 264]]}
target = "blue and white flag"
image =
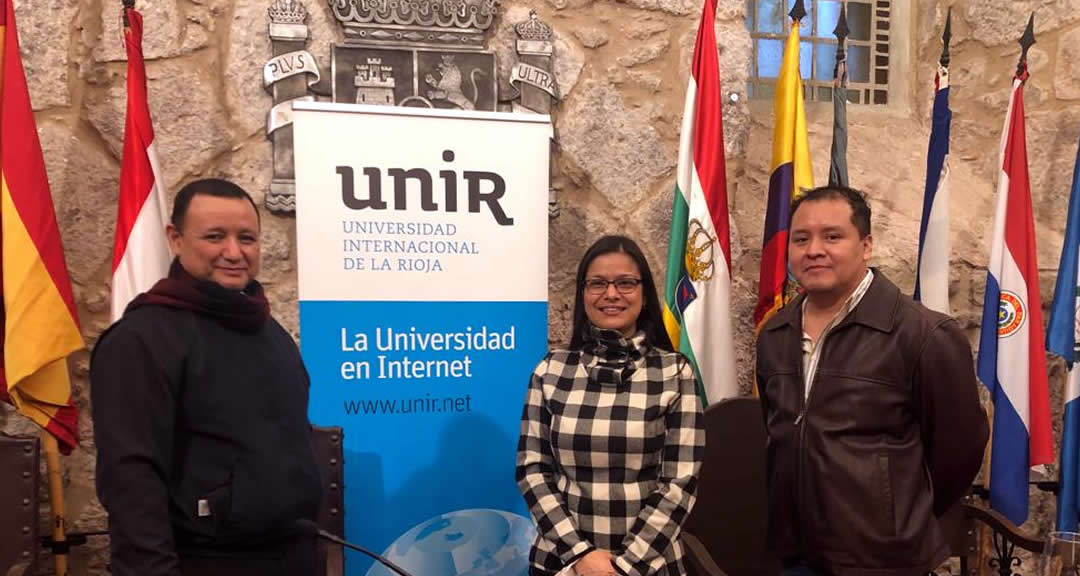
{"points": [[932, 274], [1061, 340]]}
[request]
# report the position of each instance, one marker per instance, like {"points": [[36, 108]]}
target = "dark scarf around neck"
{"points": [[244, 311], [616, 355]]}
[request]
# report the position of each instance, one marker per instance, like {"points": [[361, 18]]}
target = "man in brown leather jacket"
{"points": [[871, 406]]}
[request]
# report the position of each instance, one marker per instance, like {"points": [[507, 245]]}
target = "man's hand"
{"points": [[595, 563]]}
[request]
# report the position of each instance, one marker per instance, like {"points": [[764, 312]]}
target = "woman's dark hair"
{"points": [[651, 320]]}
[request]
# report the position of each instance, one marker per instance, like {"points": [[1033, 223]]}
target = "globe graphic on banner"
{"points": [[474, 542]]}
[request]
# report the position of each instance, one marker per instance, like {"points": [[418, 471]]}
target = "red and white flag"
{"points": [[1012, 357], [697, 308], [141, 251]]}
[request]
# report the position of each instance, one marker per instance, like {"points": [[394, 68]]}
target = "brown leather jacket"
{"points": [[890, 437]]}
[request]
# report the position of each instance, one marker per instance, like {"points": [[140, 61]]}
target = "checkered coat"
{"points": [[611, 443]]}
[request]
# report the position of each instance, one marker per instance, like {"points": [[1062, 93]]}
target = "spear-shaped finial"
{"points": [[798, 11], [1026, 42], [124, 11], [841, 32], [945, 37]]}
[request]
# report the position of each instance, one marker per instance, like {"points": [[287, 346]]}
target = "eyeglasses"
{"points": [[622, 285]]}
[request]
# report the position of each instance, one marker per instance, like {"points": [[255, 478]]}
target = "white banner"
{"points": [[422, 252], [452, 205]]}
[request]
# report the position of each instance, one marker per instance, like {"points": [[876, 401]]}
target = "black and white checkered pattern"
{"points": [[611, 443]]}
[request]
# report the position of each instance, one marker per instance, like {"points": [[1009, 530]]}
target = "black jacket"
{"points": [[186, 410], [891, 436]]}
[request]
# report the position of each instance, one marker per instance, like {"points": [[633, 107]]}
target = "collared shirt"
{"points": [[811, 351]]}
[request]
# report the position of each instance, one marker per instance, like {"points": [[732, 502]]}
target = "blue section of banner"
{"points": [[429, 395]]}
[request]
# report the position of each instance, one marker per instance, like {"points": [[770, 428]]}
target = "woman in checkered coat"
{"points": [[612, 435]]}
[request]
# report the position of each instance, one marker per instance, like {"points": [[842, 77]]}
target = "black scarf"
{"points": [[244, 311], [616, 355]]}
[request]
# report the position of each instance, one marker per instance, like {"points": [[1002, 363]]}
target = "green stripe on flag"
{"points": [[676, 268], [676, 265]]}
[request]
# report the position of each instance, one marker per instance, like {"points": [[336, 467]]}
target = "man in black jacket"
{"points": [[205, 459], [871, 407]]}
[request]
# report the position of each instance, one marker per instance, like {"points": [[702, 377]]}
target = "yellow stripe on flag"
{"points": [[790, 141], [39, 329], [50, 382]]}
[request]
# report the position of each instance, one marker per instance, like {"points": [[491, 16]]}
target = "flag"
{"points": [[791, 174], [140, 250], [1012, 361], [697, 309], [1061, 340], [838, 172], [40, 325], [932, 273]]}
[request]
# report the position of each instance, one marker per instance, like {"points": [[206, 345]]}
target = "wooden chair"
{"points": [[725, 533], [330, 454], [962, 525]]}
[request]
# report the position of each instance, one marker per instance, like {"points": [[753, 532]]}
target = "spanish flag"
{"points": [[40, 326], [791, 174]]}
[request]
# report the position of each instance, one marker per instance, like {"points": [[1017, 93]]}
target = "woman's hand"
{"points": [[595, 563]]}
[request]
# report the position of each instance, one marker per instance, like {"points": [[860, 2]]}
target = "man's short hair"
{"points": [[207, 187], [860, 208]]}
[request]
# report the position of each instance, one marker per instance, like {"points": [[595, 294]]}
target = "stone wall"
{"points": [[622, 68]]}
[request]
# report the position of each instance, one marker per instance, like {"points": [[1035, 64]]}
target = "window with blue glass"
{"points": [[867, 47]]}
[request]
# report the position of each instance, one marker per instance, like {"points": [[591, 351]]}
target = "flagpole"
{"points": [[946, 38], [56, 500], [838, 168]]}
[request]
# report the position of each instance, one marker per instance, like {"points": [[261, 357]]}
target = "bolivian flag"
{"points": [[38, 312]]}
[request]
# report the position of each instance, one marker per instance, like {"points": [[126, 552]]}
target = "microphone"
{"points": [[312, 529]]}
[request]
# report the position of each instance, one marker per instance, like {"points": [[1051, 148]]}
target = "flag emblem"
{"points": [[684, 295], [1011, 314], [699, 253]]}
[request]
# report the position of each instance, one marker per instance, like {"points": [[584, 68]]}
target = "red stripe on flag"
{"points": [[137, 174], [709, 132], [1020, 241], [24, 166], [64, 424], [773, 277]]}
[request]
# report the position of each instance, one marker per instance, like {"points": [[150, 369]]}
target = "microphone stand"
{"points": [[309, 527]]}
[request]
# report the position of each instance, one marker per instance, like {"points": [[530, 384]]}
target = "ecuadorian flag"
{"points": [[791, 174], [38, 312]]}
